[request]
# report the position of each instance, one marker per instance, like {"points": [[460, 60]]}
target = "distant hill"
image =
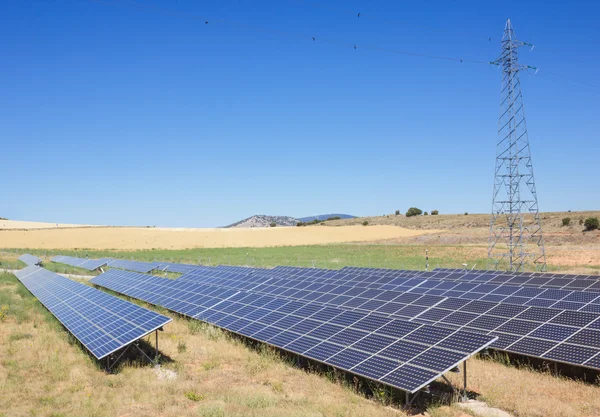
{"points": [[261, 220], [325, 217]]}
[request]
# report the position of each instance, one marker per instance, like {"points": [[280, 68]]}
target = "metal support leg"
{"points": [[406, 399], [156, 352], [465, 397]]}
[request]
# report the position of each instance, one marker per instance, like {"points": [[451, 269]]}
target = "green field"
{"points": [[318, 256]]}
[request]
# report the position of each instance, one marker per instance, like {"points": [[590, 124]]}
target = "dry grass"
{"points": [[150, 238], [530, 393], [45, 373]]}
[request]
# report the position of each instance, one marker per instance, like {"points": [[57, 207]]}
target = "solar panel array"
{"points": [[549, 316], [395, 352], [522, 274], [101, 322], [560, 335], [85, 263], [93, 264], [175, 267], [132, 265], [29, 260]]}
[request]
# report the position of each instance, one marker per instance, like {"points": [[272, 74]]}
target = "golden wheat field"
{"points": [[133, 238]]}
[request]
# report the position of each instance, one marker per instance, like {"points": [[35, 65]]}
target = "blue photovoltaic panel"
{"points": [[354, 341], [178, 268], [512, 323], [29, 260], [85, 263], [101, 322], [132, 265]]}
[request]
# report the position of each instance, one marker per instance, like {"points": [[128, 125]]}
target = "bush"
{"points": [[591, 223], [566, 221], [434, 212], [273, 224], [425, 214], [397, 212], [413, 211], [466, 214], [580, 222], [299, 224], [365, 223]]}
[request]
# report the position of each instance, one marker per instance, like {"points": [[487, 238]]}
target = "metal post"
{"points": [[426, 260], [465, 397]]}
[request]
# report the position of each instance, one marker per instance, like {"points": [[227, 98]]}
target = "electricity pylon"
{"points": [[515, 228]]}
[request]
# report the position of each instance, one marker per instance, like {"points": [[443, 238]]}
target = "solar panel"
{"points": [[356, 342], [85, 263], [522, 274], [29, 260], [132, 265], [178, 268], [515, 325], [568, 299], [101, 322]]}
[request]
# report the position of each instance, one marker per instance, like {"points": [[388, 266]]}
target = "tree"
{"points": [[425, 214], [591, 223], [466, 214], [273, 224], [434, 212], [365, 223], [397, 212], [299, 224], [566, 221], [413, 211]]}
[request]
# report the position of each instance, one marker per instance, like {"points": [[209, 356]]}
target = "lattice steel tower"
{"points": [[515, 228]]}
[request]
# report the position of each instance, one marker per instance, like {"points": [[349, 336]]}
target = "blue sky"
{"points": [[111, 114]]}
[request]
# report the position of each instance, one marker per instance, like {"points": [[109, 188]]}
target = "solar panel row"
{"points": [[93, 264], [405, 355], [555, 334], [85, 263], [524, 274], [101, 322], [29, 260]]}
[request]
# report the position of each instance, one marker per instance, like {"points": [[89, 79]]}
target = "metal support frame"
{"points": [[465, 396], [408, 400], [110, 366], [515, 240]]}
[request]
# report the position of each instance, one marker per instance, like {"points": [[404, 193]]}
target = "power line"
{"points": [[259, 29], [360, 15]]}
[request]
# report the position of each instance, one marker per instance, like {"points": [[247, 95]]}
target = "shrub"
{"points": [[397, 212], [434, 212], [466, 214], [193, 396], [580, 222], [591, 223], [413, 211], [425, 214], [566, 221], [299, 224], [273, 224], [181, 346], [365, 223]]}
